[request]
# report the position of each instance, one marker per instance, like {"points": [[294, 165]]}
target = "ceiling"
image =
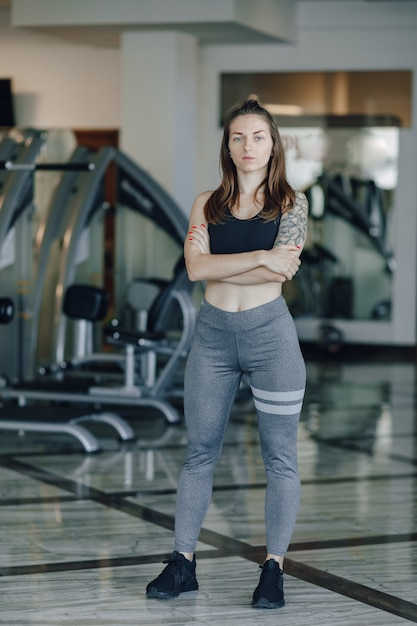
{"points": [[216, 32]]}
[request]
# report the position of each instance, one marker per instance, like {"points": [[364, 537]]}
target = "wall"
{"points": [[58, 83]]}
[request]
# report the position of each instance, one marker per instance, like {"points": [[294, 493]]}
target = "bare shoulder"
{"points": [[197, 211], [203, 197]]}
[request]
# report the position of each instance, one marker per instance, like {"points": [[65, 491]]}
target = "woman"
{"points": [[244, 241]]}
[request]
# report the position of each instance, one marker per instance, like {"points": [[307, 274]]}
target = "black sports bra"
{"points": [[234, 235]]}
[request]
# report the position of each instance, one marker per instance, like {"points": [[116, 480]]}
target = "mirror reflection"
{"points": [[341, 136], [349, 176]]}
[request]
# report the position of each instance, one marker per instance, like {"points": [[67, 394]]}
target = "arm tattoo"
{"points": [[293, 225]]}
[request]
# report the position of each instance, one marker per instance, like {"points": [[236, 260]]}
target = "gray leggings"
{"points": [[262, 343]]}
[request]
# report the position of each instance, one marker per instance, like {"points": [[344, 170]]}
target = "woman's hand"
{"points": [[199, 237], [283, 259]]}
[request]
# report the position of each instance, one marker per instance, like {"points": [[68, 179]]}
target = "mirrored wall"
{"points": [[341, 136]]}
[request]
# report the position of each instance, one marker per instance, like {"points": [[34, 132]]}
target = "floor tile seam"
{"points": [[365, 437], [348, 542], [327, 405], [10, 502], [357, 479], [30, 453], [79, 564], [333, 443]]}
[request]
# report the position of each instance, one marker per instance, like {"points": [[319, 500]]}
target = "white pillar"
{"points": [[159, 115]]}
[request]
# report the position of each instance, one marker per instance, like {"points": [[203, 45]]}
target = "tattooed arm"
{"points": [[293, 226]]}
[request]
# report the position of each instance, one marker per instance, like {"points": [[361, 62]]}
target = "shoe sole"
{"points": [[263, 603], [158, 595], [161, 595]]}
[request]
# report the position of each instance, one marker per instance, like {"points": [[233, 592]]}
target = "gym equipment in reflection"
{"points": [[359, 202], [349, 171], [327, 292], [68, 251]]}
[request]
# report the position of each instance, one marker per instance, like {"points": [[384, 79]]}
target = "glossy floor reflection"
{"points": [[81, 535]]}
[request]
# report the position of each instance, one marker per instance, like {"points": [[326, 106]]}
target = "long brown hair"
{"points": [[279, 195]]}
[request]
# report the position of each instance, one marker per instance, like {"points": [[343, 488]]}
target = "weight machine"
{"points": [[76, 202], [17, 164]]}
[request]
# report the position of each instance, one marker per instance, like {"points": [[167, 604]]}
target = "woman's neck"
{"points": [[247, 205], [249, 183]]}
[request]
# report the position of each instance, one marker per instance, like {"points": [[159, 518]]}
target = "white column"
{"points": [[159, 108]]}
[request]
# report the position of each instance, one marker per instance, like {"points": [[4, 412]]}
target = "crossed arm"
{"points": [[247, 268]]}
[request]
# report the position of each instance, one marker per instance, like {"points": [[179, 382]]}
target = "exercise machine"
{"points": [[18, 161], [77, 204]]}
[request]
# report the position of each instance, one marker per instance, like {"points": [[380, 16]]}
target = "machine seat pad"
{"points": [[85, 302]]}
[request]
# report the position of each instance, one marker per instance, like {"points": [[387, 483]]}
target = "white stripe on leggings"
{"points": [[278, 402], [278, 396], [278, 409]]}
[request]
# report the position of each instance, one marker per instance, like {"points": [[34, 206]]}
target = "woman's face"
{"points": [[250, 143]]}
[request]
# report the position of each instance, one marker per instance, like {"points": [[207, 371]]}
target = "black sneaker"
{"points": [[177, 577], [269, 594]]}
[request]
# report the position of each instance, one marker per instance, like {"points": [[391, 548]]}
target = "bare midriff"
{"points": [[233, 298]]}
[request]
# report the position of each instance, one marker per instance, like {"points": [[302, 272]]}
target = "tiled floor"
{"points": [[81, 535]]}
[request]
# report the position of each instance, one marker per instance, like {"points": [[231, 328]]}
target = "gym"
{"points": [[110, 122]]}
